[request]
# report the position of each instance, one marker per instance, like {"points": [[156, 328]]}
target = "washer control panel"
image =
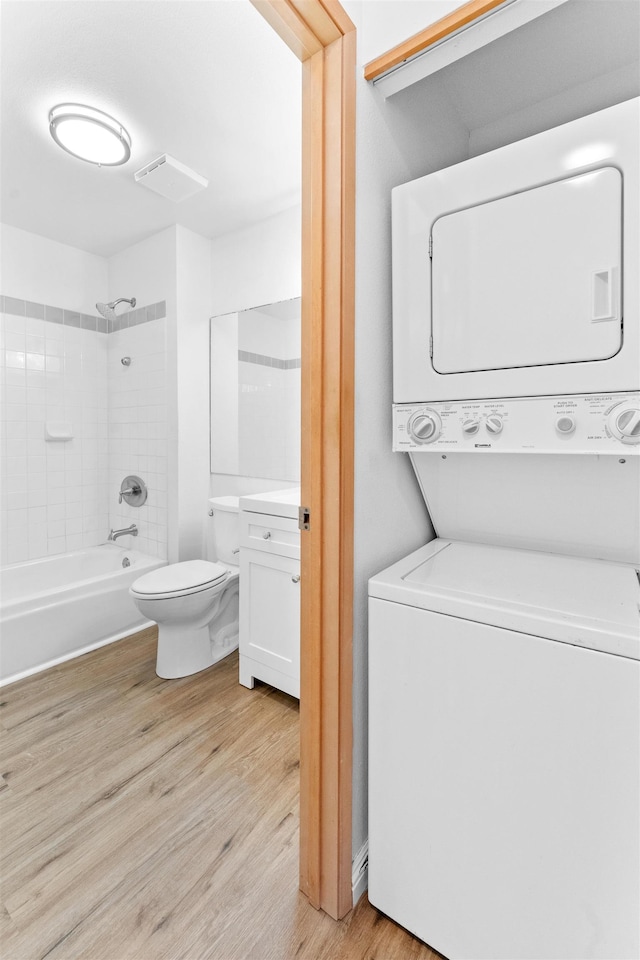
{"points": [[587, 423]]}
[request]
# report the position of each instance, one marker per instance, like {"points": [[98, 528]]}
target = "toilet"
{"points": [[195, 602]]}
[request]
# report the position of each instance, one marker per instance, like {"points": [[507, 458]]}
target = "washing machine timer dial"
{"points": [[624, 421], [425, 426]]}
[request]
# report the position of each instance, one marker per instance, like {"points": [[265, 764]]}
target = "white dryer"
{"points": [[516, 273], [504, 800]]}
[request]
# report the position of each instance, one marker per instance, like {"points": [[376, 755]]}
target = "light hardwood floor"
{"points": [[148, 819]]}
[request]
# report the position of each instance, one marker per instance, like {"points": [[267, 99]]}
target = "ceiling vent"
{"points": [[170, 178]]}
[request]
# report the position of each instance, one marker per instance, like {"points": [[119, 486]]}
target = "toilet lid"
{"points": [[188, 575]]}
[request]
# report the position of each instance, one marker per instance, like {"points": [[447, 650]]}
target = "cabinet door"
{"points": [[270, 611]]}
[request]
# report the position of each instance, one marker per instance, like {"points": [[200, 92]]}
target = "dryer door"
{"points": [[531, 279]]}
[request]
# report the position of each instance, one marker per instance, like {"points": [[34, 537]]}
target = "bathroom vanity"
{"points": [[270, 594]]}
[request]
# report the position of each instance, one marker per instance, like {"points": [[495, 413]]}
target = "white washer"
{"points": [[504, 752]]}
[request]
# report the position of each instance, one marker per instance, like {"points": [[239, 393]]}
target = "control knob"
{"points": [[494, 423], [425, 427], [624, 422], [470, 427]]}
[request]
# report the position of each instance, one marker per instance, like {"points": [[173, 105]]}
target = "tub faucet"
{"points": [[114, 534]]}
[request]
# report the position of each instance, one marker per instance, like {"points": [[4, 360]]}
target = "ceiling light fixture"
{"points": [[89, 134]]}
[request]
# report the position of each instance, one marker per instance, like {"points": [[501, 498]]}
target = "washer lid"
{"points": [[589, 603], [188, 575]]}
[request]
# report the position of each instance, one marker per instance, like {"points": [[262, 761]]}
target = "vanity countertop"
{"points": [[276, 503]]}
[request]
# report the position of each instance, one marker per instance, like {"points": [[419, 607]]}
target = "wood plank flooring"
{"points": [[148, 819]]}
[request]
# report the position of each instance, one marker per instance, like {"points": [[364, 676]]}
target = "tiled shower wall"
{"points": [[138, 429], [54, 369], [59, 495]]}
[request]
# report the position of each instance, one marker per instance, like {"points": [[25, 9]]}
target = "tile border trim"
{"points": [[72, 318], [264, 361]]}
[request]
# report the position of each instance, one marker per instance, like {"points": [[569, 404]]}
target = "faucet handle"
{"points": [[130, 491], [133, 490]]}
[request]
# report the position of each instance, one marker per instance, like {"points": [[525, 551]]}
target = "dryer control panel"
{"points": [[586, 423]]}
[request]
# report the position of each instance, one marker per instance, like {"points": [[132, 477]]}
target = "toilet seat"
{"points": [[179, 580]]}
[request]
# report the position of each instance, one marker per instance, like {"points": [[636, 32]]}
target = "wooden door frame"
{"points": [[323, 37]]}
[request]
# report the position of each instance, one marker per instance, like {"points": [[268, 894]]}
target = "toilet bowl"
{"points": [[195, 602]]}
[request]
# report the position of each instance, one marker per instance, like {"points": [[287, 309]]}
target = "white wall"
{"points": [[193, 309], [574, 101], [258, 265], [44, 271], [390, 515], [224, 383], [145, 270], [380, 32]]}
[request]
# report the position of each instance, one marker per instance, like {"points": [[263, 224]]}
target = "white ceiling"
{"points": [[207, 81]]}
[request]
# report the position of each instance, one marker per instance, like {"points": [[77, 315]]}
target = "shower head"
{"points": [[108, 309]]}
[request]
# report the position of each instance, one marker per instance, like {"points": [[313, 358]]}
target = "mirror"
{"points": [[255, 392]]}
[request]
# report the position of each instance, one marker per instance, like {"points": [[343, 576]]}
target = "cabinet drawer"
{"points": [[276, 535]]}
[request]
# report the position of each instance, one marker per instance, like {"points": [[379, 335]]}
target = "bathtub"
{"points": [[60, 607]]}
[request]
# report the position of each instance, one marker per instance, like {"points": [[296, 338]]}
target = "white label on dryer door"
{"points": [[530, 279]]}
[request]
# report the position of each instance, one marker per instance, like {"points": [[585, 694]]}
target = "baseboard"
{"points": [[360, 872]]}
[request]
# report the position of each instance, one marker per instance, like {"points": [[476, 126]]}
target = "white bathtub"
{"points": [[60, 607]]}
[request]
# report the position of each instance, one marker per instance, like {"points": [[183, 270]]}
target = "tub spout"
{"points": [[114, 534]]}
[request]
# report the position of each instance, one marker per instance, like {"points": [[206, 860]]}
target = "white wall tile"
{"points": [[136, 405], [56, 387], [119, 415]]}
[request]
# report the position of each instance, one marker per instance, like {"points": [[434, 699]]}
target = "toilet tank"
{"points": [[223, 532]]}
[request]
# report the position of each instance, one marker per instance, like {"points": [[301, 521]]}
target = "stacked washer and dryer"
{"points": [[504, 655]]}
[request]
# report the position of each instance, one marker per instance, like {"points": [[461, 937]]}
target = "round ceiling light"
{"points": [[89, 134]]}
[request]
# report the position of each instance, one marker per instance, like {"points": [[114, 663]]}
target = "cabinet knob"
{"points": [[267, 535], [295, 578]]}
